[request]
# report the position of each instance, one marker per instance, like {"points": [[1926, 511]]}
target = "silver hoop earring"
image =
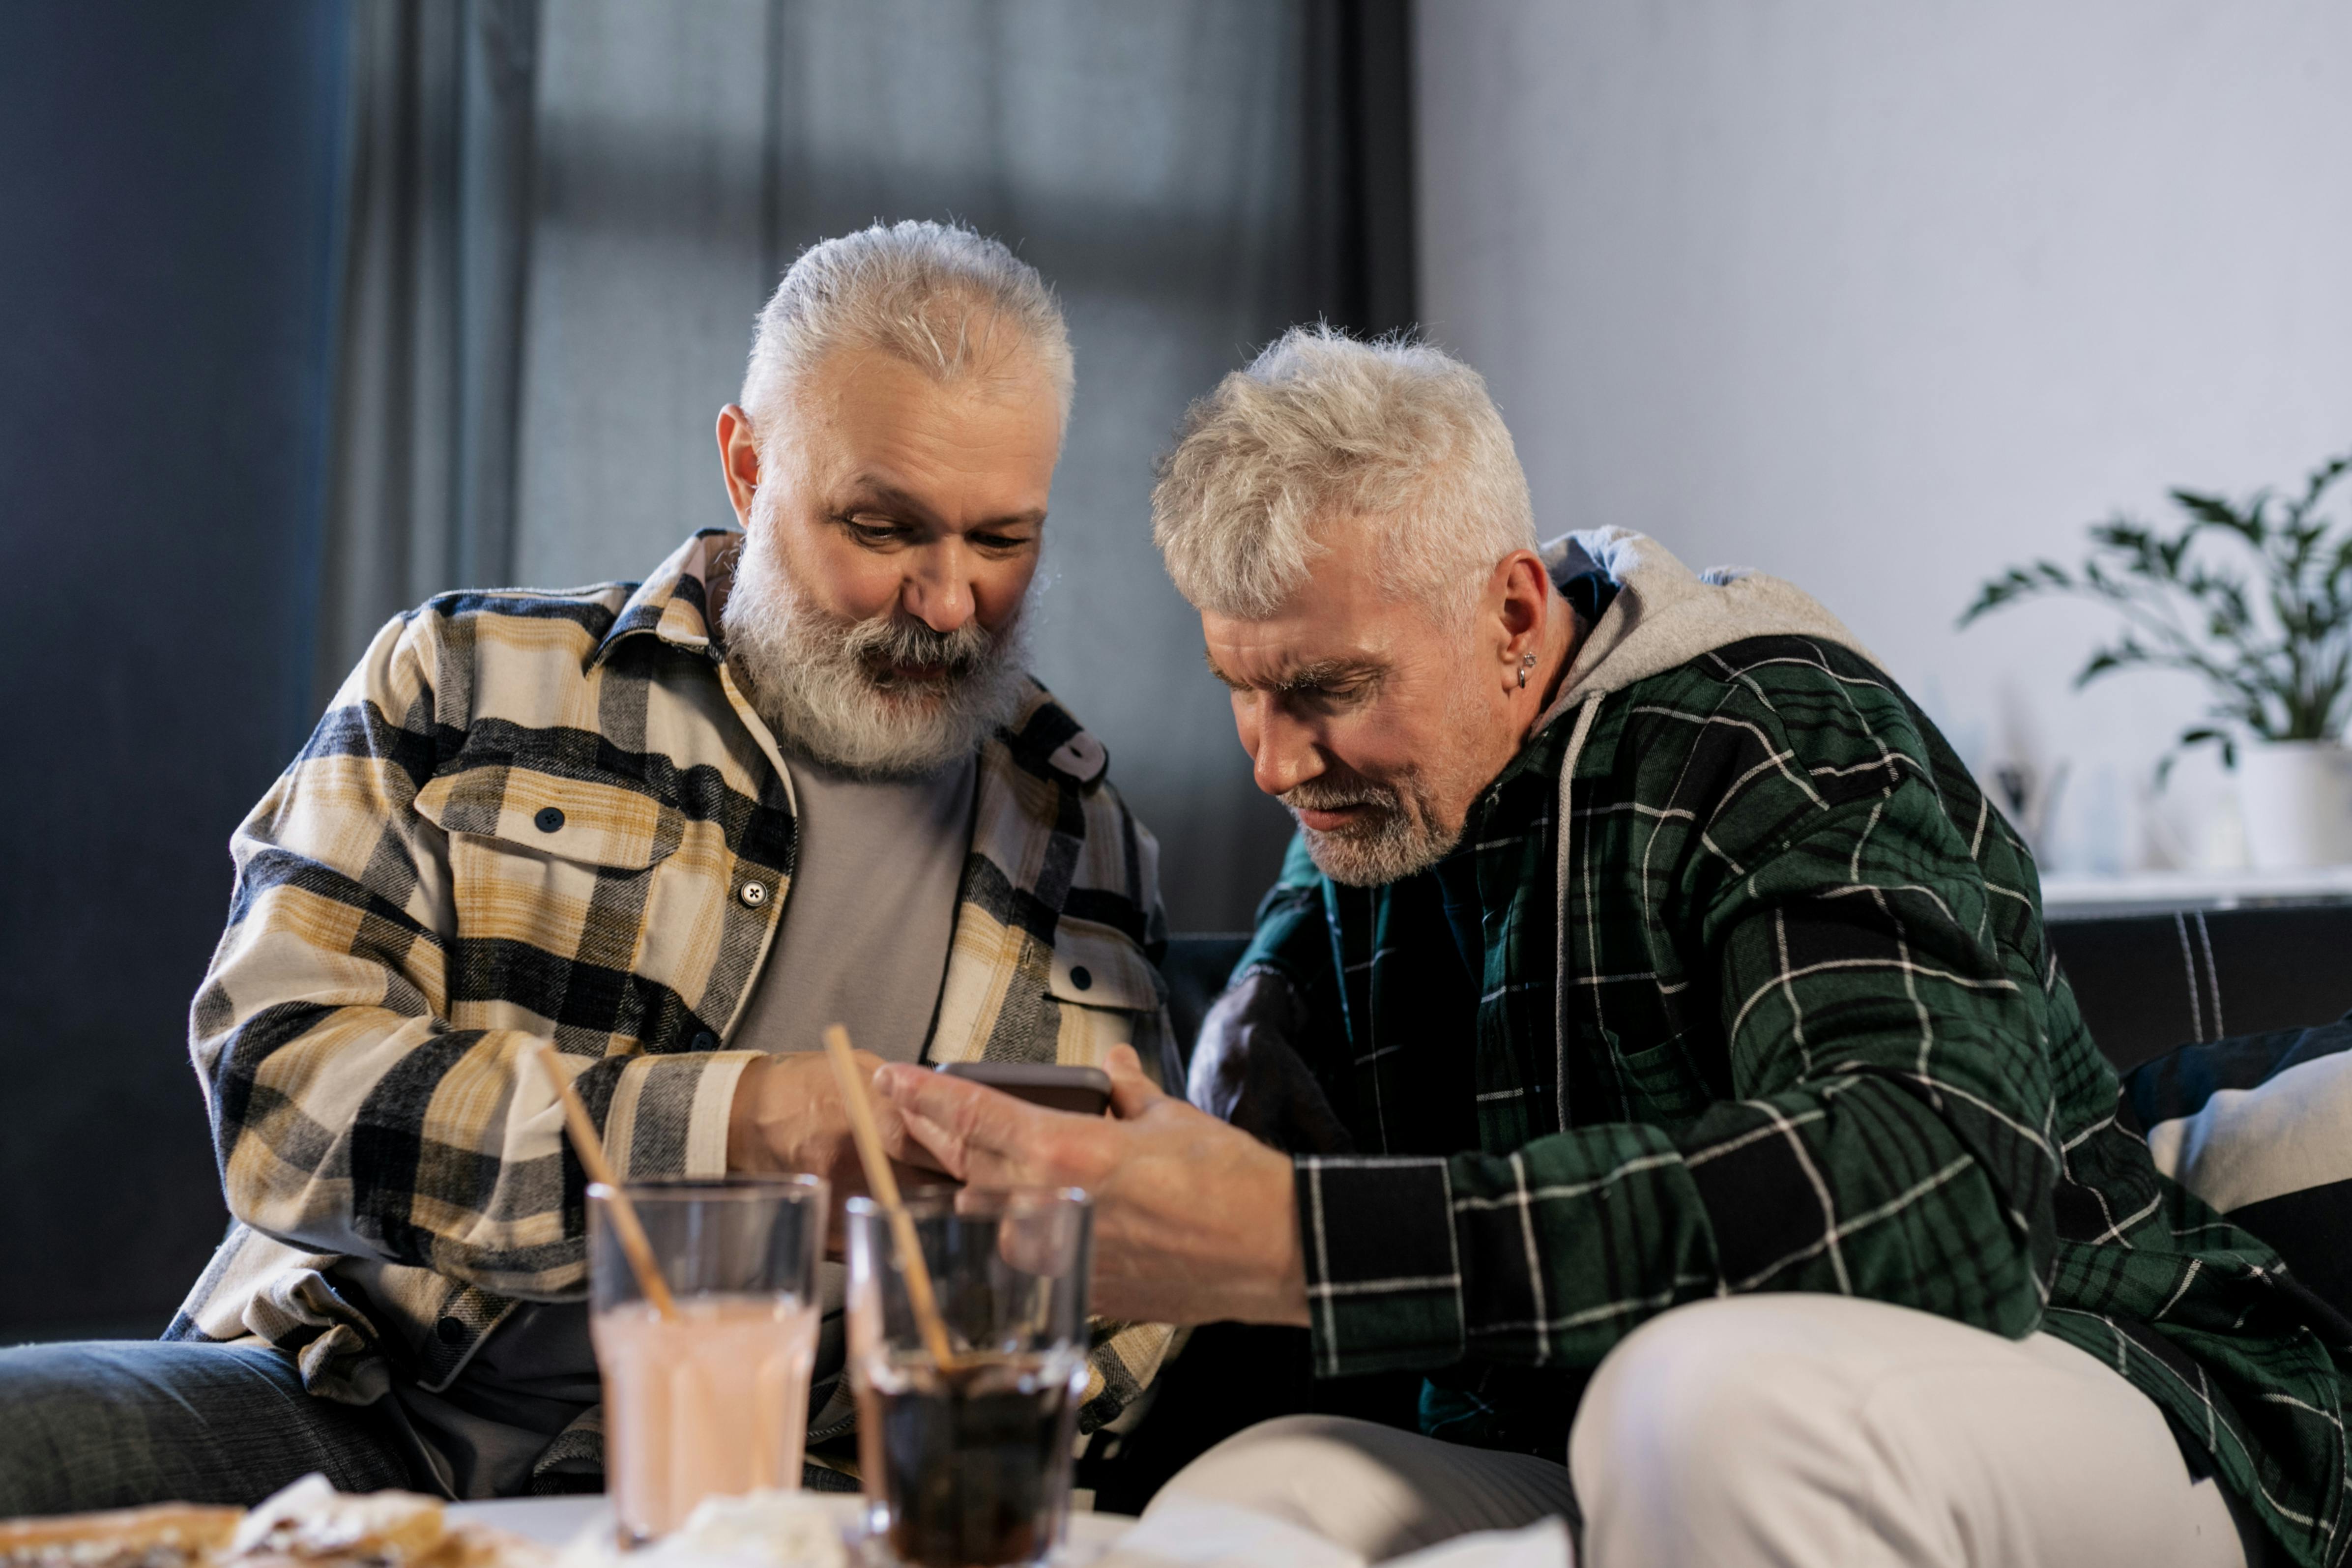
{"points": [[1526, 665]]}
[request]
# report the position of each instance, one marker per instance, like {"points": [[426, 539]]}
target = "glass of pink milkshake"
{"points": [[713, 1400]]}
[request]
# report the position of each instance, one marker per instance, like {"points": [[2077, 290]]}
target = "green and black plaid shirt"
{"points": [[1812, 1038]]}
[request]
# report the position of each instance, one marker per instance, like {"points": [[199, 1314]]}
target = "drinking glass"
{"points": [[712, 1401], [968, 1465]]}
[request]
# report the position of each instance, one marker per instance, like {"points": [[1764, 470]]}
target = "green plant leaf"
{"points": [[2266, 623], [2210, 509]]}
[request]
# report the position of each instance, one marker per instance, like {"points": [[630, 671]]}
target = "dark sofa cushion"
{"points": [[2147, 981], [2259, 1127]]}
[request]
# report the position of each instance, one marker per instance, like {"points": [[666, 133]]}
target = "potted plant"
{"points": [[2255, 599]]}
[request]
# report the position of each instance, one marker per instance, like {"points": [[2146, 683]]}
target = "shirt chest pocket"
{"points": [[1101, 989], [1662, 1084], [559, 862]]}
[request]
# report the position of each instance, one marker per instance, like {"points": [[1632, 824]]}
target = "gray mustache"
{"points": [[903, 640], [1320, 797]]}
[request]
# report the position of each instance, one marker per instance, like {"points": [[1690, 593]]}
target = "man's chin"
{"points": [[934, 685], [1373, 856], [911, 703]]}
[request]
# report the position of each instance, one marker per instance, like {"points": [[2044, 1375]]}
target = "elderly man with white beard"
{"points": [[796, 777]]}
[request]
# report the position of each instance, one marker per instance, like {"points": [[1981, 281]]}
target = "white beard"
{"points": [[1402, 836], [811, 674]]}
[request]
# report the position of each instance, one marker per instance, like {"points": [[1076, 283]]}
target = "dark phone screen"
{"points": [[1083, 1090]]}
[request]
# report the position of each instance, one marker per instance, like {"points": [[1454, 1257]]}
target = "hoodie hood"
{"points": [[1665, 614]]}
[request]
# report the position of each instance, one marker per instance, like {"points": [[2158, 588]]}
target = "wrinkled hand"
{"points": [[1246, 1070], [1194, 1221], [787, 1115]]}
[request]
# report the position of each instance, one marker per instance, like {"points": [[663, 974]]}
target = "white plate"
{"points": [[554, 1521]]}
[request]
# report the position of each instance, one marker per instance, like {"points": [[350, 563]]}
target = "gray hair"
{"points": [[939, 296], [1322, 426]]}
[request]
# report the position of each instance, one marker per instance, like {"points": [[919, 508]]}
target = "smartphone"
{"points": [[1085, 1090]]}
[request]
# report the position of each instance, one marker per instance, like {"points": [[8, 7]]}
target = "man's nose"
{"points": [[938, 589], [1285, 755]]}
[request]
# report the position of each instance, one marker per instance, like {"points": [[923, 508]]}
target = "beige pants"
{"points": [[1781, 1429]]}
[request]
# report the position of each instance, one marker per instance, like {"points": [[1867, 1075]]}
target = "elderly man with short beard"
{"points": [[1675, 1066], [797, 777]]}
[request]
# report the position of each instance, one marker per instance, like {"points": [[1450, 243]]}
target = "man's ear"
{"points": [[739, 460], [1522, 606]]}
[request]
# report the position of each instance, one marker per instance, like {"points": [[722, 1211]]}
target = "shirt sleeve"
{"points": [[349, 1115], [1885, 1137]]}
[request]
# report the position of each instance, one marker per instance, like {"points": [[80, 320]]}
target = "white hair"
{"points": [[940, 297], [1321, 427]]}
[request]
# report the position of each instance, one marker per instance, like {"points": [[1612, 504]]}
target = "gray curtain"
{"points": [[1191, 175], [435, 238]]}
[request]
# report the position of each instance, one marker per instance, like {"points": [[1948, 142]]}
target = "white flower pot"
{"points": [[2297, 800]]}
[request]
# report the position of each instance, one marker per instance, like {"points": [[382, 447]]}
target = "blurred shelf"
{"points": [[2163, 892]]}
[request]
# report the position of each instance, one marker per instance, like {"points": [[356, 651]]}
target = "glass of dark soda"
{"points": [[967, 1464]]}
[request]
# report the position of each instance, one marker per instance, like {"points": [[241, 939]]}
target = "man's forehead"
{"points": [[937, 454], [1336, 622]]}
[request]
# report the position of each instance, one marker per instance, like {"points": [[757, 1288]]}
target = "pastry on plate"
{"points": [[176, 1535], [307, 1525]]}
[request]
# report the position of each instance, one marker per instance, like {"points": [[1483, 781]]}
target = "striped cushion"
{"points": [[2261, 1128]]}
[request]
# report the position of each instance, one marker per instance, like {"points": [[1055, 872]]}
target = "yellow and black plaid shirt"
{"points": [[554, 815]]}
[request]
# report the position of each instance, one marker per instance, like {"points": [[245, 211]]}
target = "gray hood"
{"points": [[1666, 615]]}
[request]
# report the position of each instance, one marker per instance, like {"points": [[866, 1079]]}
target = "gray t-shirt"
{"points": [[869, 912], [868, 917]]}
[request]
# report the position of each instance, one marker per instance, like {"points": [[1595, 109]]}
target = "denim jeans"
{"points": [[121, 1422]]}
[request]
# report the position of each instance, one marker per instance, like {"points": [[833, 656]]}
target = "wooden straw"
{"points": [[885, 1184], [591, 1149]]}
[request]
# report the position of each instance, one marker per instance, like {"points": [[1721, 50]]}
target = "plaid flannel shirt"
{"points": [[1812, 1038], [552, 816]]}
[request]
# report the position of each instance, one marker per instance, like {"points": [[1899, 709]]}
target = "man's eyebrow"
{"points": [[1299, 676], [866, 490], [1218, 671]]}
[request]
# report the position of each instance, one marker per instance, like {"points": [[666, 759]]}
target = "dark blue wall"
{"points": [[167, 202]]}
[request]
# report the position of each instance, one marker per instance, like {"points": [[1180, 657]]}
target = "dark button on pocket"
{"points": [[1081, 977], [706, 1041], [449, 1331], [549, 819]]}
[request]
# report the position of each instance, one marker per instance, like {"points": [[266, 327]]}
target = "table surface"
{"points": [[554, 1521], [2086, 897]]}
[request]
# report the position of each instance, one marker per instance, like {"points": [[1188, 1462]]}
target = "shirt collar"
{"points": [[674, 602]]}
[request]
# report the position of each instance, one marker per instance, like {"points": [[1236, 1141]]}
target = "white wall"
{"points": [[1883, 298]]}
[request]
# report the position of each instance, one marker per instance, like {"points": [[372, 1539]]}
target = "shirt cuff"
{"points": [[669, 1114], [1384, 1282]]}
